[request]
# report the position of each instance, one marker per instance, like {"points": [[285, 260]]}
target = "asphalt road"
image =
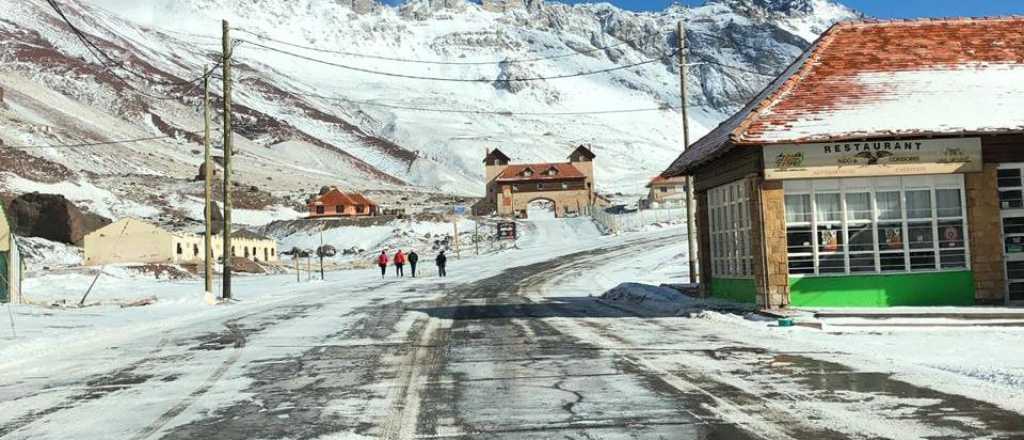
{"points": [[487, 359]]}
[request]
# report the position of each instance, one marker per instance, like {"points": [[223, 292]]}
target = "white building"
{"points": [[131, 240]]}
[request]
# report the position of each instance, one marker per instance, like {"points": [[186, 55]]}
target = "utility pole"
{"points": [[226, 71], [691, 224], [320, 252], [208, 178], [455, 227], [476, 236]]}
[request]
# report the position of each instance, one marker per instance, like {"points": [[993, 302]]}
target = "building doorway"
{"points": [[1011, 208], [541, 209]]}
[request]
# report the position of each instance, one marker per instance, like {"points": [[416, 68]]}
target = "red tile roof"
{"points": [[336, 197], [663, 179], [565, 172], [878, 79]]}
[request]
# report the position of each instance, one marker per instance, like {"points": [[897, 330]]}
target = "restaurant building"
{"points": [[883, 167]]}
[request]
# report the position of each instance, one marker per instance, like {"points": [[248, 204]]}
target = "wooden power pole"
{"points": [[208, 177], [226, 67], [691, 224]]}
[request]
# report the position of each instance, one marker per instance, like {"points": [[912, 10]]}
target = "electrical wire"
{"points": [[109, 63], [483, 112], [444, 63], [84, 144], [432, 78]]}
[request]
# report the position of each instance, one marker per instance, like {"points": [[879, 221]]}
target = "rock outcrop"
{"points": [[53, 217]]}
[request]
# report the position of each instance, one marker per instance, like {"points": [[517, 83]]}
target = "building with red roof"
{"points": [[335, 203], [568, 187], [665, 192], [883, 167]]}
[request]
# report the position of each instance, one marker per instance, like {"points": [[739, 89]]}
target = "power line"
{"points": [[104, 59], [445, 63], [484, 112], [431, 78], [85, 144]]}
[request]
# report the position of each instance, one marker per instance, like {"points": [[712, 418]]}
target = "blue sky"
{"points": [[880, 8]]}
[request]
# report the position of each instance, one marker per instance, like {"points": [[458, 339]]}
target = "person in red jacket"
{"points": [[382, 261], [399, 263]]}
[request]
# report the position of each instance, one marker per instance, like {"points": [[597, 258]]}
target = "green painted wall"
{"points": [[735, 289], [918, 289]]}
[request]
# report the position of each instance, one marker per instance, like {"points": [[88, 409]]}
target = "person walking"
{"points": [[382, 261], [413, 258], [441, 261], [399, 263]]}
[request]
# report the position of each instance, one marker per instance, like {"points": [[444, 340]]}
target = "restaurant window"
{"points": [[877, 225], [729, 220]]}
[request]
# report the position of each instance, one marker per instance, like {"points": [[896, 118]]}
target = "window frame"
{"points": [[874, 186], [730, 228]]}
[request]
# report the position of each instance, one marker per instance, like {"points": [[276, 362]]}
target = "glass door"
{"points": [[1011, 206]]}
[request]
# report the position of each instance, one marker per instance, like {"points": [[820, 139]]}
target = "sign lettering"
{"points": [[872, 158]]}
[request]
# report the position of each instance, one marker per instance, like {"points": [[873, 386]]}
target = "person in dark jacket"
{"points": [[382, 261], [441, 261], [413, 257]]}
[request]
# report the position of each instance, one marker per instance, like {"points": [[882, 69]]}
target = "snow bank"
{"points": [[41, 253], [664, 301]]}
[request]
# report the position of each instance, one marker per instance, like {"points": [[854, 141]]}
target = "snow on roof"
{"points": [[564, 171], [883, 79]]}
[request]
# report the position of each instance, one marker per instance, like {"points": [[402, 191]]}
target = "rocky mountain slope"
{"points": [[363, 130]]}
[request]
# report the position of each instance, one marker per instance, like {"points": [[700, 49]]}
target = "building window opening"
{"points": [[179, 249], [195, 250], [319, 209], [730, 228], [883, 225]]}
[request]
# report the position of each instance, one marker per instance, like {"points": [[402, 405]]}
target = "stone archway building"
{"points": [[511, 187]]}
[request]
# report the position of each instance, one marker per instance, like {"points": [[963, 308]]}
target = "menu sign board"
{"points": [[872, 158]]}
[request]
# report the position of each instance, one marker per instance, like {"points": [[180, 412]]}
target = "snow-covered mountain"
{"points": [[350, 134]]}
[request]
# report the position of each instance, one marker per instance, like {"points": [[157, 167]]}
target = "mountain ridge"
{"points": [[301, 124]]}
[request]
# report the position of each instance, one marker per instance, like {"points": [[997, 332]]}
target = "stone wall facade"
{"points": [[566, 201], [768, 238], [984, 226]]}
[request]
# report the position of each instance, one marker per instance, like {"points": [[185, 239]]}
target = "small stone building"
{"points": [[11, 266], [131, 240], [510, 188], [335, 203], [884, 167]]}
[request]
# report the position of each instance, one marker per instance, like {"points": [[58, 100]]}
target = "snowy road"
{"points": [[510, 347]]}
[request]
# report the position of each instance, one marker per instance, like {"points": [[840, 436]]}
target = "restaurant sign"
{"points": [[872, 158]]}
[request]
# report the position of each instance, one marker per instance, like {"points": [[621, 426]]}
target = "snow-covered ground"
{"points": [[177, 364], [985, 363]]}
